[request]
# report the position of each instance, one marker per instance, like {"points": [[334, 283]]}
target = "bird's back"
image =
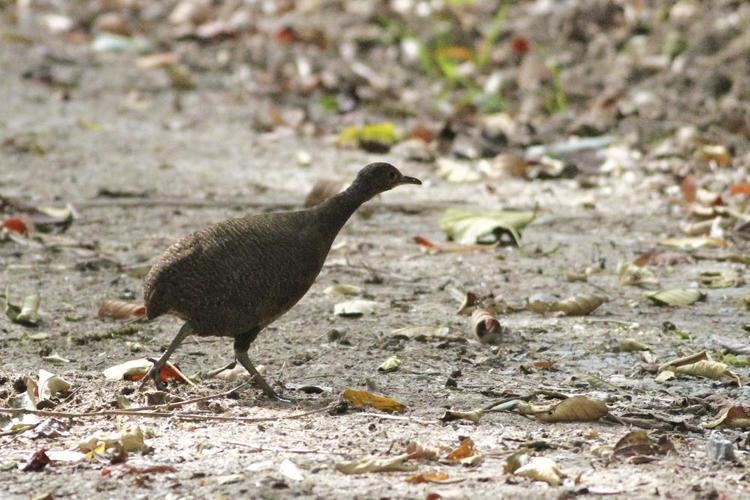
{"points": [[238, 275]]}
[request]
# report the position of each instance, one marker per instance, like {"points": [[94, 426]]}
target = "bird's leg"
{"points": [[217, 371], [241, 345], [155, 372]]}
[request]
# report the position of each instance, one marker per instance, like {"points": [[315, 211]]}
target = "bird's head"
{"points": [[378, 177]]}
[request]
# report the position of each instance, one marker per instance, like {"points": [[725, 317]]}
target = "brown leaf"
{"points": [[575, 409], [638, 443], [118, 309], [427, 477], [735, 417], [452, 247], [661, 258], [419, 452], [740, 188], [363, 398], [689, 188], [486, 327], [38, 461], [464, 450]]}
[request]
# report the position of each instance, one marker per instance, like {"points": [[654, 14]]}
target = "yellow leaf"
{"points": [[364, 398]]}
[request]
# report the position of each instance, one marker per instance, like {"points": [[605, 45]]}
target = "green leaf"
{"points": [[470, 227]]}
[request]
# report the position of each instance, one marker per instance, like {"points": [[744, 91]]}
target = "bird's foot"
{"points": [[214, 373], [154, 373]]}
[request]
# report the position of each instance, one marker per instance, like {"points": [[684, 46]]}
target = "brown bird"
{"points": [[234, 278]]}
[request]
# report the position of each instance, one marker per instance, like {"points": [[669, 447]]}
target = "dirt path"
{"points": [[120, 131]]}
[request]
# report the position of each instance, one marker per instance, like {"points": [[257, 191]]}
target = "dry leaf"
{"points": [[708, 369], [472, 416], [578, 305], [427, 477], [468, 304], [289, 470], [661, 258], [465, 454], [364, 399], [694, 243], [638, 443], [677, 296], [734, 417], [355, 308], [343, 289], [631, 345], [50, 385], [634, 275], [136, 369], [470, 227], [419, 452], [486, 327], [541, 469], [118, 309], [391, 364], [374, 464], [575, 409]]}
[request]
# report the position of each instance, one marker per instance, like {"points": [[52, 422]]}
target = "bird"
{"points": [[234, 278]]}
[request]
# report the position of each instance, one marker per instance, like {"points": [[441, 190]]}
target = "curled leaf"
{"points": [[363, 398], [733, 416], [708, 369], [470, 227], [639, 443], [391, 364], [472, 416], [677, 296], [375, 464], [578, 305], [355, 308], [466, 453], [427, 477], [541, 469], [486, 327], [136, 369], [631, 345], [633, 275], [118, 309], [575, 409]]}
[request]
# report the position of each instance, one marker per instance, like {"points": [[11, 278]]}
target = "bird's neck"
{"points": [[336, 210]]}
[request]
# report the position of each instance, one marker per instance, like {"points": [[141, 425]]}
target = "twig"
{"points": [[385, 416], [611, 320], [168, 406], [527, 397], [257, 449]]}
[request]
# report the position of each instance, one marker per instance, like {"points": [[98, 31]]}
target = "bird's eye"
{"points": [[392, 175]]}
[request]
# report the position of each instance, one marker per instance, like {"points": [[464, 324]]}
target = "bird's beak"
{"points": [[405, 179]]}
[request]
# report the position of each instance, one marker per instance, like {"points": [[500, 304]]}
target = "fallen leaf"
{"points": [[38, 461], [661, 258], [472, 416], [289, 470], [117, 309], [578, 305], [631, 345], [694, 243], [633, 275], [375, 464], [575, 409], [639, 443], [136, 369], [427, 477], [355, 308], [363, 398], [676, 296], [716, 154], [470, 227], [17, 225], [541, 469], [25, 314], [719, 279], [465, 449], [457, 172], [51, 385], [742, 188], [732, 416], [391, 364], [450, 247], [419, 452], [486, 327], [376, 137], [709, 369]]}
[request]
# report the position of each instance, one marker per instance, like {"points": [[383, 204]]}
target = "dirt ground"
{"points": [[202, 163]]}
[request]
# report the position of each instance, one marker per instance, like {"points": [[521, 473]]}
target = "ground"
{"points": [[180, 165]]}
